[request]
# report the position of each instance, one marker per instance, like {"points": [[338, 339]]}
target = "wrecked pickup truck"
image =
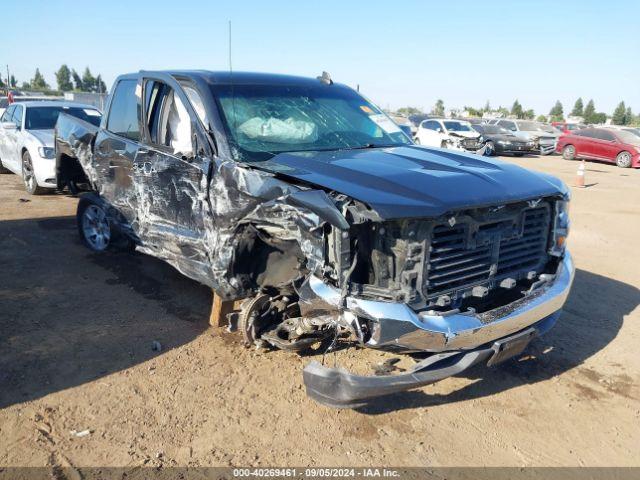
{"points": [[304, 199]]}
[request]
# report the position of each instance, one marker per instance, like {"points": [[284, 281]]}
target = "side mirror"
{"points": [[9, 126], [439, 130]]}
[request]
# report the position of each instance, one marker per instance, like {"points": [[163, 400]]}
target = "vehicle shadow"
{"points": [[586, 326], [69, 316]]}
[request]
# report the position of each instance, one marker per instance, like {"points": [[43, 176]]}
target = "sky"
{"points": [[400, 53]]}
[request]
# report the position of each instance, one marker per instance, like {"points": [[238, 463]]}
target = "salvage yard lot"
{"points": [[76, 331]]}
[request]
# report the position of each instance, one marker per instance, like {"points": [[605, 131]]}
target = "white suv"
{"points": [[448, 133]]}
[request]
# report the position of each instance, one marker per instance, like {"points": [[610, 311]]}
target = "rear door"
{"points": [[4, 139], [171, 176], [14, 156], [429, 134], [116, 148], [606, 145], [585, 142]]}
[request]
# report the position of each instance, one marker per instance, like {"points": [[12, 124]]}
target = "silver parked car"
{"points": [[543, 137], [26, 139]]}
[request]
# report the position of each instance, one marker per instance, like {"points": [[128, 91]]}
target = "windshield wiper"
{"points": [[370, 145]]}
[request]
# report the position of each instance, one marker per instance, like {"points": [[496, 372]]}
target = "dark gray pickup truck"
{"points": [[303, 198]]}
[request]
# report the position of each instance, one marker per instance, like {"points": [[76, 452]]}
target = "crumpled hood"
{"points": [[45, 137], [464, 134], [413, 181]]}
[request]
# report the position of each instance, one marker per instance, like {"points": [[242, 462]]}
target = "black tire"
{"points": [[93, 225], [490, 148], [29, 177], [569, 152], [623, 160]]}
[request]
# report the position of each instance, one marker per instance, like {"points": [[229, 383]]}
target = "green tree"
{"points": [[438, 109], [503, 111], [101, 87], [38, 82], [516, 109], [13, 82], [556, 113], [529, 114], [589, 112], [487, 107], [2, 85], [599, 117], [628, 116], [25, 86], [542, 118], [619, 115], [63, 78], [406, 111], [578, 108], [77, 81], [88, 81], [474, 112]]}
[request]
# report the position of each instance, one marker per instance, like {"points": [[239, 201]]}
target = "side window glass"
{"points": [[168, 120], [123, 115], [17, 116], [196, 102], [8, 113], [608, 136]]}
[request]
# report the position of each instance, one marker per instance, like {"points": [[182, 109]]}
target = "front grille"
{"points": [[469, 254], [470, 143]]}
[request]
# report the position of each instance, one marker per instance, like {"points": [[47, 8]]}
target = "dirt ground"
{"points": [[76, 333]]}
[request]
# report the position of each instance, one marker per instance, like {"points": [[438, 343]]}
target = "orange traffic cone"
{"points": [[580, 176]]}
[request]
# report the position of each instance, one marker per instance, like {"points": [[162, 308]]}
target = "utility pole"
{"points": [[8, 78]]}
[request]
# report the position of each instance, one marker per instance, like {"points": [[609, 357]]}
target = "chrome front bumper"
{"points": [[395, 326]]}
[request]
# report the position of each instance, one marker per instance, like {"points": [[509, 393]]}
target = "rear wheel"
{"points": [[93, 225], [569, 152], [29, 177], [623, 160]]}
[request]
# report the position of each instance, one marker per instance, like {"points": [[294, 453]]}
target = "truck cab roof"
{"points": [[228, 78]]}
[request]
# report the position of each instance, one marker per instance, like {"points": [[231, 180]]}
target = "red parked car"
{"points": [[617, 146]]}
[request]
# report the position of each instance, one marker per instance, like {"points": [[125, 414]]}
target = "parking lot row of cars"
{"points": [[27, 138], [617, 144]]}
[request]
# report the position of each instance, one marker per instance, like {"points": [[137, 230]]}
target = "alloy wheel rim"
{"points": [[570, 152], [488, 148], [625, 159], [95, 227], [27, 174]]}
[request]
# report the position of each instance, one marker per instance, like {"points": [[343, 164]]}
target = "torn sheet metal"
{"points": [[197, 226]]}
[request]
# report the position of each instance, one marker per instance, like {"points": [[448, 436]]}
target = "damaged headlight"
{"points": [[561, 226], [46, 152]]}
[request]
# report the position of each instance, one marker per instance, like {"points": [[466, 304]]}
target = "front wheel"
{"points": [[29, 176], [623, 160], [569, 152], [93, 225], [489, 148]]}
